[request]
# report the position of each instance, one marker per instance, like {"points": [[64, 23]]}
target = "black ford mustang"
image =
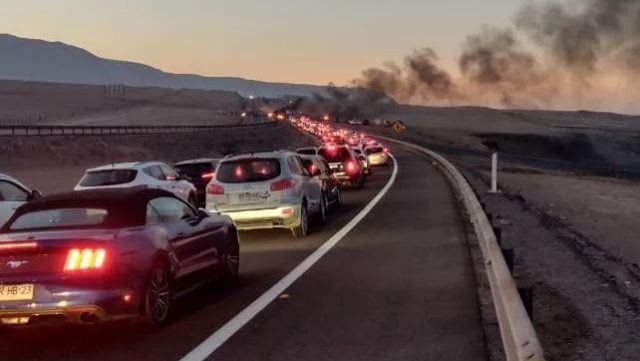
{"points": [[101, 255]]}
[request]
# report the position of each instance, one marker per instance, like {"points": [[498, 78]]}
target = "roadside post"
{"points": [[494, 173]]}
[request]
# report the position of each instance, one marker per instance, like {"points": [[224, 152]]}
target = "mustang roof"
{"points": [[126, 206]]}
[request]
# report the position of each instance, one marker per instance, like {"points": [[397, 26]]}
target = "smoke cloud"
{"points": [[557, 54]]}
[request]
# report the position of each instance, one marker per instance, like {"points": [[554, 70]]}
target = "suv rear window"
{"points": [[108, 177], [374, 150], [335, 154], [60, 218], [248, 170]]}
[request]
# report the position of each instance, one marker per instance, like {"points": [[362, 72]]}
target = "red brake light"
{"points": [[209, 175], [282, 185], [238, 172], [85, 259], [215, 189], [351, 167]]}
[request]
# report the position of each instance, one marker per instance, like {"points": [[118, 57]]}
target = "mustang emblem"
{"points": [[16, 264]]}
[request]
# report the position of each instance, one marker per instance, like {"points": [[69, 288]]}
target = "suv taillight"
{"points": [[215, 189], [282, 185], [351, 167], [85, 259]]}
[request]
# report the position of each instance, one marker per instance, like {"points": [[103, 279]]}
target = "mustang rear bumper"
{"points": [[54, 304]]}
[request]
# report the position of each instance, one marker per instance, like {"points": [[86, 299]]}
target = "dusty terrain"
{"points": [[569, 203], [50, 103], [54, 164]]}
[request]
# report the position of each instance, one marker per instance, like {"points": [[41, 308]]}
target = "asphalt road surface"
{"points": [[399, 286]]}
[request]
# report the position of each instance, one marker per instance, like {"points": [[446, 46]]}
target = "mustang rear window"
{"points": [[108, 177], [248, 170], [60, 218]]}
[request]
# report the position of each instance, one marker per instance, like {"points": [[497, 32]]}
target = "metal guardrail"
{"points": [[57, 130], [518, 335]]}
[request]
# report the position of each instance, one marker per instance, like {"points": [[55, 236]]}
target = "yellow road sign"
{"points": [[398, 126]]}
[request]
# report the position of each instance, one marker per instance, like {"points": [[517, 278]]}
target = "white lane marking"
{"points": [[213, 342]]}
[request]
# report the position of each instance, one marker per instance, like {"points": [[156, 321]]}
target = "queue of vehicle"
{"points": [[131, 238]]}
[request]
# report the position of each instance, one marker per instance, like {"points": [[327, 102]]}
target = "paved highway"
{"points": [[399, 286]]}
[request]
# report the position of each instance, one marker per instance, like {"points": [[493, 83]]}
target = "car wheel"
{"points": [[301, 230], [361, 183], [338, 201], [322, 213], [193, 200], [157, 300], [231, 263]]}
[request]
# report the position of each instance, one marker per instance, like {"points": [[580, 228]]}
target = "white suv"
{"points": [[267, 190], [13, 194], [150, 174]]}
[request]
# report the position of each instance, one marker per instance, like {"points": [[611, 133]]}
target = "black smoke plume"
{"points": [[557, 54]]}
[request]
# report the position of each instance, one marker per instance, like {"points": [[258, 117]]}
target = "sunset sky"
{"points": [[301, 41]]}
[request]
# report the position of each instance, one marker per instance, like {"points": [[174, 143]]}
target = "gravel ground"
{"points": [[586, 302]]}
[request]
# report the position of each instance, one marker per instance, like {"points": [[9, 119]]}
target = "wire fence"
{"points": [[84, 130]]}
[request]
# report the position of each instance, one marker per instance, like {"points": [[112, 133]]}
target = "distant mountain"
{"points": [[44, 61]]}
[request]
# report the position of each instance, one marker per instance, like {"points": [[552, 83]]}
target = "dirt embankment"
{"points": [[54, 164], [32, 103]]}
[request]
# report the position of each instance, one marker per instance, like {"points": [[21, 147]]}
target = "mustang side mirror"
{"points": [[35, 194], [202, 213]]}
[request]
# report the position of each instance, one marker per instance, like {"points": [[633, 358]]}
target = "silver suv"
{"points": [[266, 190]]}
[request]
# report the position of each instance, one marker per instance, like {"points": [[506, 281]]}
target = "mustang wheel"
{"points": [[231, 263], [158, 296]]}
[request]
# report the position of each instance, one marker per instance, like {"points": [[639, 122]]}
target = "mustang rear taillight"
{"points": [[215, 189], [282, 185], [85, 259]]}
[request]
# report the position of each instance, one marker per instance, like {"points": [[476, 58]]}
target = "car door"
{"points": [[332, 186], [315, 172], [171, 178], [155, 177], [312, 185], [175, 184], [195, 242], [12, 196]]}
